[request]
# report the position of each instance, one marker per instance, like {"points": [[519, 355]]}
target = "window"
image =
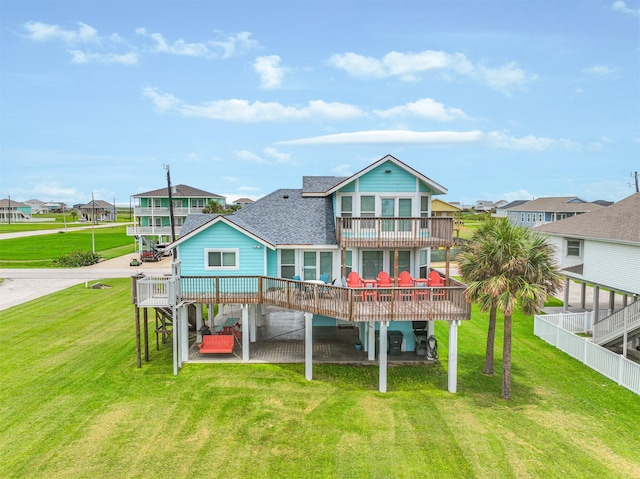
{"points": [[346, 210], [540, 217], [368, 210], [197, 202], [573, 247], [316, 263], [349, 263], [404, 262], [157, 202], [287, 263], [221, 259], [522, 217], [424, 211], [529, 217]]}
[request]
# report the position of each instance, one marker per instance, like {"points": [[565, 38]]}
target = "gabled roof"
{"points": [[437, 188], [513, 204], [320, 184], [441, 205], [183, 191], [97, 204], [283, 217], [6, 203], [618, 222], [558, 204]]}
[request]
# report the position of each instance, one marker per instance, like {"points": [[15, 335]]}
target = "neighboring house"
{"points": [[442, 209], [98, 210], [483, 206], [11, 210], [549, 209], [152, 215], [37, 206], [242, 202], [602, 249], [503, 211], [295, 248]]}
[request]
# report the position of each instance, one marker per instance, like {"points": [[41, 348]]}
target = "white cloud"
{"points": [[493, 139], [280, 157], [246, 155], [80, 57], [390, 136], [409, 66], [243, 111], [42, 32], [229, 46], [500, 139], [599, 71], [622, 7], [517, 195], [270, 72], [424, 108], [342, 170]]}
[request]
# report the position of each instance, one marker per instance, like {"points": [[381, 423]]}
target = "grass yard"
{"points": [[39, 251], [73, 405]]}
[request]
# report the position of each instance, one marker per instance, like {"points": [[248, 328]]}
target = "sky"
{"points": [[494, 100]]}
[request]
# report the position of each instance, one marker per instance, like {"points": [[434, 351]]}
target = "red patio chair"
{"points": [[384, 281], [355, 281], [435, 281]]}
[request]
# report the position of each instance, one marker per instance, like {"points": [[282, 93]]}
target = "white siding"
{"points": [[613, 265]]}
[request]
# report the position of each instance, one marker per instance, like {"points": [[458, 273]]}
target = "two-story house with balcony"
{"points": [[325, 250], [152, 215]]}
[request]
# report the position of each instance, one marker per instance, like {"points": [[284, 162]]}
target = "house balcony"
{"points": [[348, 304], [152, 230], [404, 232], [164, 211]]}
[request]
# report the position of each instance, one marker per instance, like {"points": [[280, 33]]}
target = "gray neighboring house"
{"points": [[601, 249], [548, 210]]}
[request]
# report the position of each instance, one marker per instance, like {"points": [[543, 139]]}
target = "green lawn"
{"points": [[39, 251], [73, 405]]}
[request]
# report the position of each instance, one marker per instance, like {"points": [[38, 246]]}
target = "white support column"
{"points": [[453, 356], [198, 322], [382, 364], [431, 328], [308, 346], [596, 304], [565, 305], [174, 336], [253, 319], [184, 333], [245, 332], [211, 315], [371, 341]]}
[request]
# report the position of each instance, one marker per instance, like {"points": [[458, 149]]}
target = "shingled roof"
{"points": [[283, 217], [558, 204], [184, 191], [618, 222]]}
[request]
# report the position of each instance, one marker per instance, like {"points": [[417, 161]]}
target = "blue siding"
{"points": [[272, 263], [348, 188], [221, 235], [378, 181], [424, 188]]}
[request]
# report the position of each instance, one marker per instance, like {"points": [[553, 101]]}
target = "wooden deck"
{"points": [[349, 304]]}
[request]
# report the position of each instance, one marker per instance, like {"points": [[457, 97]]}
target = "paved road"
{"points": [[22, 285]]}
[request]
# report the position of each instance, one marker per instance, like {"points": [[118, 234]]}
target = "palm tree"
{"points": [[478, 262], [509, 267]]}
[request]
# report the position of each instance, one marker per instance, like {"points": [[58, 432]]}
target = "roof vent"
{"points": [[286, 197]]}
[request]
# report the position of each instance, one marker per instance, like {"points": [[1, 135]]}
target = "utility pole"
{"points": [[93, 223], [636, 178], [171, 220], [9, 210]]}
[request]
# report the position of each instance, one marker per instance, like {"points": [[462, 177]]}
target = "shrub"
{"points": [[77, 258]]}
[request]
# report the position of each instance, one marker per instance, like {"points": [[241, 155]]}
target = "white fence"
{"points": [[614, 366]]}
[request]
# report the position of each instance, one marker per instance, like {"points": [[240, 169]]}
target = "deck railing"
{"points": [[350, 304], [395, 232]]}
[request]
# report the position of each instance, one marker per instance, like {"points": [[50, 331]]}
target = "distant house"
{"points": [[549, 209], [11, 210], [242, 202], [602, 249], [98, 210], [483, 206], [37, 206], [151, 212], [503, 210]]}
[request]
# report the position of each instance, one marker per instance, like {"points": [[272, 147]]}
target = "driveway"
{"points": [[22, 285]]}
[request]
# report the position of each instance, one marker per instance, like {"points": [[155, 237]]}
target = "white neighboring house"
{"points": [[602, 249]]}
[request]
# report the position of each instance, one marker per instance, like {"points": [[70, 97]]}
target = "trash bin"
{"points": [[395, 342]]}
